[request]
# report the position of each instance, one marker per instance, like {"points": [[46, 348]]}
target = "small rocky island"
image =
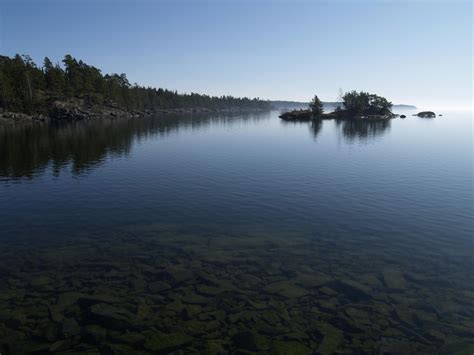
{"points": [[354, 105]]}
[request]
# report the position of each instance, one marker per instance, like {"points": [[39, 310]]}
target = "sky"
{"points": [[411, 52]]}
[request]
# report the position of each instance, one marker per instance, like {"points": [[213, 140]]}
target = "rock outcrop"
{"points": [[297, 115], [426, 114]]}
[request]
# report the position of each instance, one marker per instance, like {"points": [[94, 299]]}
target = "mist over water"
{"points": [[327, 235]]}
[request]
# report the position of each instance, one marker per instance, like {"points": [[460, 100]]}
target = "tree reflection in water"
{"points": [[363, 128], [27, 150]]}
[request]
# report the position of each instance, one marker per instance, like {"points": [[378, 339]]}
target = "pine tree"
{"points": [[316, 107]]}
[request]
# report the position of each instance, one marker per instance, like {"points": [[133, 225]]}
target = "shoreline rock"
{"points": [[77, 110], [426, 114]]}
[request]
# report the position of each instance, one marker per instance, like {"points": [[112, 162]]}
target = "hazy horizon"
{"points": [[415, 53]]}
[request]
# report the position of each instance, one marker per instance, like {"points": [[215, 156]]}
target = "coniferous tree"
{"points": [[316, 107]]}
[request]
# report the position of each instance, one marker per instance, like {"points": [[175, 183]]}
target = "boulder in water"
{"points": [[426, 114]]}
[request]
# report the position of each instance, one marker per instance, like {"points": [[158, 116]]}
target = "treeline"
{"points": [[27, 87]]}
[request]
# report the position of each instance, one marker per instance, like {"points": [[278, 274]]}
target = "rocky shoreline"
{"points": [[77, 110]]}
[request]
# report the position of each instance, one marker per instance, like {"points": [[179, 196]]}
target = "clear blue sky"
{"points": [[416, 52]]}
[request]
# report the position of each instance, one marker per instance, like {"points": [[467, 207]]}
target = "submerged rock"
{"points": [[161, 342], [287, 289], [332, 338], [394, 279], [354, 290], [70, 327], [246, 340], [110, 316], [284, 347], [94, 333], [158, 286]]}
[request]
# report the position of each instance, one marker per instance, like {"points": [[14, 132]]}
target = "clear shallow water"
{"points": [[221, 233]]}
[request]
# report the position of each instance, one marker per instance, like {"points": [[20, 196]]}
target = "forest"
{"points": [[29, 88]]}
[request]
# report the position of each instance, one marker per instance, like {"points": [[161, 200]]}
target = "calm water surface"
{"points": [[237, 233]]}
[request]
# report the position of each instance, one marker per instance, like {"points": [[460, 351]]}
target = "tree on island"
{"points": [[362, 103], [316, 107]]}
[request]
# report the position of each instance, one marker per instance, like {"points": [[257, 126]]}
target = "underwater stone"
{"points": [[158, 286], [131, 338], [394, 279], [112, 317], [281, 347], [193, 298], [95, 333], [70, 327], [214, 347], [41, 281], [287, 289], [161, 342], [270, 316], [245, 340], [61, 345], [179, 275], [333, 337], [354, 290], [328, 291], [315, 279], [51, 332]]}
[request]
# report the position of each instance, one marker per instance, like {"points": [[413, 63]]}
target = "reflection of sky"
{"points": [[410, 52]]}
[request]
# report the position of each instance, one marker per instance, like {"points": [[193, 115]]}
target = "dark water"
{"points": [[217, 234]]}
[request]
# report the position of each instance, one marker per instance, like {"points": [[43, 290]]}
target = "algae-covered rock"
{"points": [[358, 315], [394, 279], [215, 347], [332, 338], [270, 316], [328, 291], [111, 316], [354, 290], [95, 333], [287, 289], [194, 298], [314, 279], [178, 274], [70, 327], [246, 340], [131, 338], [209, 290], [285, 347], [61, 345], [160, 342], [158, 286], [457, 348], [120, 349], [42, 280]]}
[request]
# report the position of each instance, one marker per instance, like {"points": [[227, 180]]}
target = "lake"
{"points": [[237, 233]]}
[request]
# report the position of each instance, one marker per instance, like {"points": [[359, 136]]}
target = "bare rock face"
{"points": [[61, 110]]}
